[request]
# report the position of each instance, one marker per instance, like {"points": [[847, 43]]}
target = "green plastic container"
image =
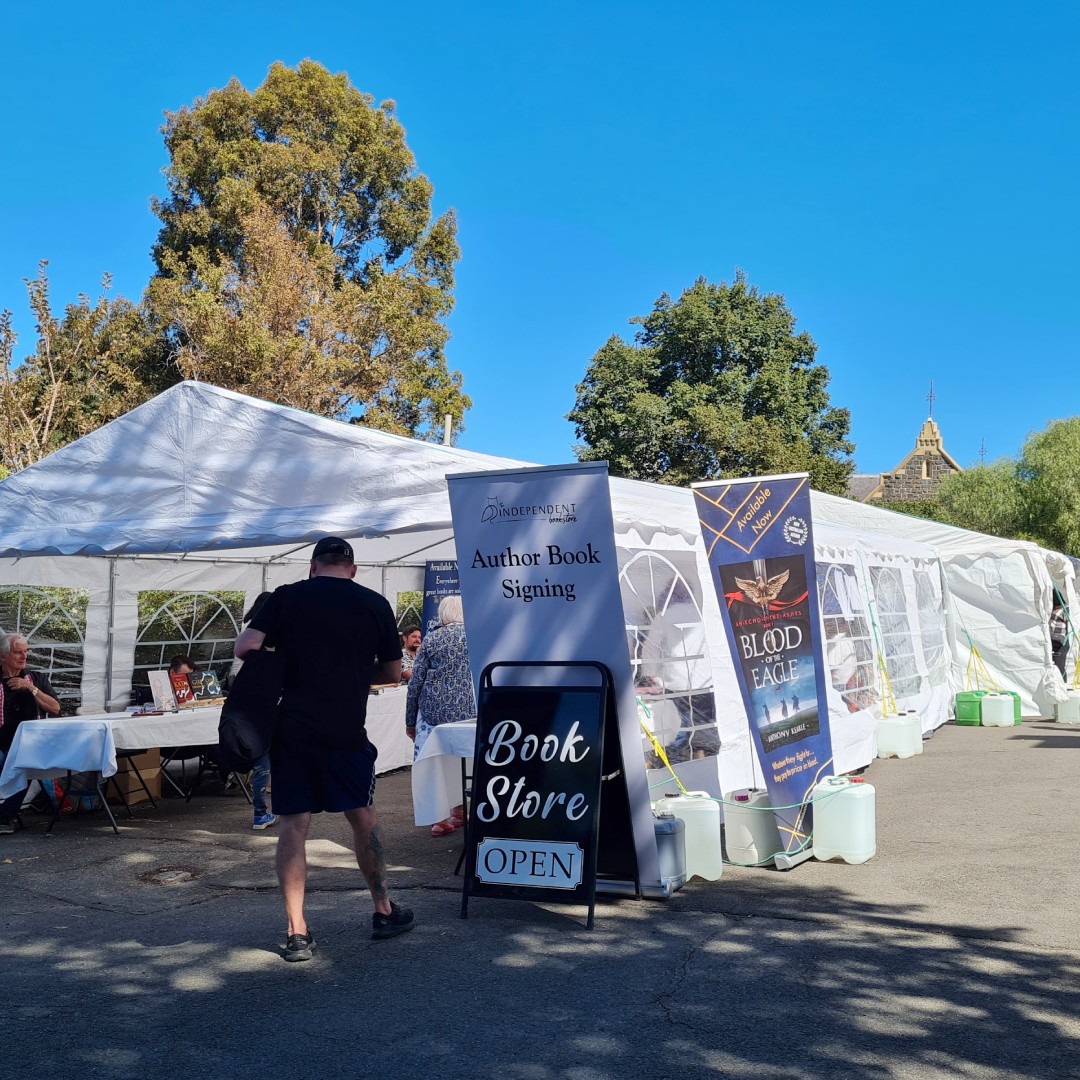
{"points": [[968, 710]]}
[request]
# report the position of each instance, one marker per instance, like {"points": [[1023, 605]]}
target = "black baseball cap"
{"points": [[332, 545]]}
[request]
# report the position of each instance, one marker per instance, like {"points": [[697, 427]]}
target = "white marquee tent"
{"points": [[203, 489]]}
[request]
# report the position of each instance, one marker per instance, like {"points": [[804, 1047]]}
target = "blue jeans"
{"points": [[13, 803], [260, 777]]}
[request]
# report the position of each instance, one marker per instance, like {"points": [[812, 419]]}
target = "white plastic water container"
{"points": [[915, 720], [845, 820], [1068, 712], [700, 812], [897, 737], [751, 837], [671, 849], [996, 710]]}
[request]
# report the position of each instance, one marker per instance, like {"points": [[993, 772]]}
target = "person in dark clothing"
{"points": [[24, 695], [334, 638], [1059, 635]]}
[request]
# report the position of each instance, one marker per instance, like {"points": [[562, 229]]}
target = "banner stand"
{"points": [[759, 542], [549, 805], [784, 861]]}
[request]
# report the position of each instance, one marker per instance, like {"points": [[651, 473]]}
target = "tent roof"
{"points": [[958, 546], [202, 469]]}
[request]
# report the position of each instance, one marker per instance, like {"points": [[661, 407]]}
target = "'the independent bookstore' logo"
{"points": [[556, 513]]}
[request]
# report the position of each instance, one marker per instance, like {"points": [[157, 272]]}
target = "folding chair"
{"points": [[209, 764]]}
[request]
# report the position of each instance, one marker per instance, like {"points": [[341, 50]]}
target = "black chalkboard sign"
{"points": [[536, 784]]}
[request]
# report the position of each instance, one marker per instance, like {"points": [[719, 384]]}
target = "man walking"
{"points": [[334, 639]]}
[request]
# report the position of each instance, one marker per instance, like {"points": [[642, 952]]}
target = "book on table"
{"points": [[204, 686], [181, 689], [161, 688]]}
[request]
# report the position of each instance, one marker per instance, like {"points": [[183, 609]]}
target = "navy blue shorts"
{"points": [[310, 777]]}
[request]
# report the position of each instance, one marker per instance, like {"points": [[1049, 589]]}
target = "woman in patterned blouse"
{"points": [[441, 689]]}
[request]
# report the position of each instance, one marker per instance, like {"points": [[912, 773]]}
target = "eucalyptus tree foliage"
{"points": [[716, 384], [93, 364], [298, 258]]}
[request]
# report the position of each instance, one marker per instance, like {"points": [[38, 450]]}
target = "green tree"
{"points": [[927, 509], [986, 498], [716, 384], [98, 361], [1035, 496], [298, 259], [1049, 476]]}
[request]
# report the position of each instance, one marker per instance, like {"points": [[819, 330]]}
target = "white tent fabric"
{"points": [[205, 489], [1000, 592], [202, 469]]}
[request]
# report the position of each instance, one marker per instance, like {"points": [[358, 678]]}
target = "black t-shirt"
{"points": [[20, 705], [330, 634]]}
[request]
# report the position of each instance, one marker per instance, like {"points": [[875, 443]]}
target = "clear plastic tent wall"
{"points": [[998, 598]]}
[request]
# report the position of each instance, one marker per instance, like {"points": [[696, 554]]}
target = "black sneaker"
{"points": [[300, 946], [7, 826], [399, 921]]}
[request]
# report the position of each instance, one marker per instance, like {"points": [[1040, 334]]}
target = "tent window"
{"points": [[410, 608], [661, 598], [53, 621], [849, 650], [898, 643], [932, 626], [203, 625]]}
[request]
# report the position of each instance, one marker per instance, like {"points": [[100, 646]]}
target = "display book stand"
{"points": [[548, 809]]}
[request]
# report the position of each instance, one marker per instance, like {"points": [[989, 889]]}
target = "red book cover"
{"points": [[181, 688]]}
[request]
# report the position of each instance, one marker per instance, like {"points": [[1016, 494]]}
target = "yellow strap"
{"points": [[663, 757], [975, 663], [888, 701]]}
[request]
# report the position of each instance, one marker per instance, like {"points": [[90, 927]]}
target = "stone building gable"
{"points": [[918, 476]]}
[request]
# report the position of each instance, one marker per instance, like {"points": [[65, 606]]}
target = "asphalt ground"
{"points": [[952, 953]]}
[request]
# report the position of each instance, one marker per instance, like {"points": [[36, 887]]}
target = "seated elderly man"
{"points": [[24, 695]]}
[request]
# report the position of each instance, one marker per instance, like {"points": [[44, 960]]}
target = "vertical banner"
{"points": [[760, 546], [440, 581], [540, 581]]}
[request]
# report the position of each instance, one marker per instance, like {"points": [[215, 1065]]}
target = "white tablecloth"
{"points": [[44, 748], [386, 729], [436, 774]]}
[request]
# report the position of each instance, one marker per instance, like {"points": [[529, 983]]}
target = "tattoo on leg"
{"points": [[376, 863]]}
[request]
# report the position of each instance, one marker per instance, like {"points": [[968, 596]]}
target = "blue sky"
{"points": [[904, 175]]}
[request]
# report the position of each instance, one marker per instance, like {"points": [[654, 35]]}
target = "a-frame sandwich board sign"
{"points": [[539, 777]]}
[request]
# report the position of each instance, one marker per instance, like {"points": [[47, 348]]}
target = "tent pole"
{"points": [[112, 633]]}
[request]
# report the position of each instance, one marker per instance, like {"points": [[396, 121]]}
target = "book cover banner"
{"points": [[760, 546], [440, 581]]}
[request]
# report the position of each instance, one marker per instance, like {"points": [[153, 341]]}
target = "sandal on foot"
{"points": [[457, 822], [442, 828]]}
